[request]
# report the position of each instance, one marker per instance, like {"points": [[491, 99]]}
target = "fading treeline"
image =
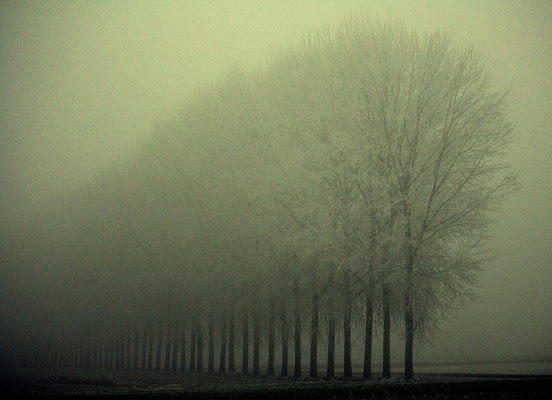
{"points": [[347, 184]]}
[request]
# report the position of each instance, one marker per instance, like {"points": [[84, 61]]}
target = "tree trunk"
{"points": [[409, 319], [138, 357], [88, 354], [156, 344], [137, 347], [148, 342], [368, 329], [121, 350], [211, 345], [347, 362], [193, 348], [256, 343], [153, 349], [330, 372], [271, 337], [314, 338], [175, 347], [84, 353], [409, 344], [166, 343], [92, 359], [108, 352], [231, 342], [245, 345], [169, 350], [199, 335], [297, 370], [183, 347], [367, 373], [106, 349], [99, 352], [128, 347], [158, 347], [285, 337], [330, 368], [222, 358], [386, 332], [117, 351]]}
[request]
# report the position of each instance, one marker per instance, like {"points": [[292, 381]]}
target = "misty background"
{"points": [[83, 85]]}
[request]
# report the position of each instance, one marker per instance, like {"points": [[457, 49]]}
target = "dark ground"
{"points": [[148, 385]]}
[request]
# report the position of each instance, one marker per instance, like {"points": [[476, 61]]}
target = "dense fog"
{"points": [[168, 165]]}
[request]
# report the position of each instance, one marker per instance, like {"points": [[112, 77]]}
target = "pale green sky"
{"points": [[83, 82]]}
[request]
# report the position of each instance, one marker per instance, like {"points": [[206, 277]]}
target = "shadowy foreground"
{"points": [[130, 385]]}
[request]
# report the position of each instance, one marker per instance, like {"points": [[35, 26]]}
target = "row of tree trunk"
{"points": [[178, 347]]}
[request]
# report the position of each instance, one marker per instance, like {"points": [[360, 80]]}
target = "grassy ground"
{"points": [[148, 385]]}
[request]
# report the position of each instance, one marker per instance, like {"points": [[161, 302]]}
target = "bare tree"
{"points": [[420, 126], [433, 129]]}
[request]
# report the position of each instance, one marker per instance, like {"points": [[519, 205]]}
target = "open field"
{"points": [[146, 385]]}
